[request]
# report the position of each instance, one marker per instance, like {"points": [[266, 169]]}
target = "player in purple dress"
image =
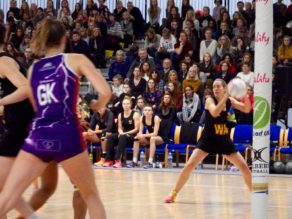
{"points": [[55, 134]]}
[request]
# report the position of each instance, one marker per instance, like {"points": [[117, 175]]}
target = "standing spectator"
{"points": [[97, 48], [208, 45], [118, 66], [285, 50], [137, 18], [191, 106], [119, 10]]}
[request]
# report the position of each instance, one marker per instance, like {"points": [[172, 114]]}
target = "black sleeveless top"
{"points": [[128, 123], [216, 127], [150, 128], [17, 112]]}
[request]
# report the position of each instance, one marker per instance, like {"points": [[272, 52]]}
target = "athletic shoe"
{"points": [[100, 162], [170, 198], [148, 165], [118, 164], [108, 163], [132, 165]]}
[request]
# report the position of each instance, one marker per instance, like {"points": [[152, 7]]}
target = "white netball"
{"points": [[237, 88]]}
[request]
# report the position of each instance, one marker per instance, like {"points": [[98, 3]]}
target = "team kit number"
{"points": [[45, 94]]}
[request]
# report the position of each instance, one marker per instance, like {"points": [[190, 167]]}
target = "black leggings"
{"points": [[122, 141]]}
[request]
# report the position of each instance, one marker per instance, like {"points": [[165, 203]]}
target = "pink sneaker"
{"points": [[108, 163], [118, 164], [170, 198]]}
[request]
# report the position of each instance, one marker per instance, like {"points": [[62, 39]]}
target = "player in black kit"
{"points": [[215, 138]]}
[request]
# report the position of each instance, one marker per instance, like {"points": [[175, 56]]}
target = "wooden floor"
{"points": [[139, 194]]}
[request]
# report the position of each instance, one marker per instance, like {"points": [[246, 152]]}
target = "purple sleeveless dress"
{"points": [[55, 134]]}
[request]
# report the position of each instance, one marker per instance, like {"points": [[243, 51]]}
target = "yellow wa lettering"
{"points": [[221, 129]]}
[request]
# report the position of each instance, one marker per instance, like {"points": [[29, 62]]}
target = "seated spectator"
{"points": [[154, 12], [246, 75], [117, 86], [115, 33], [246, 118], [158, 81], [17, 38], [207, 67], [206, 18], [142, 57], [79, 45], [166, 47], [175, 27], [127, 28], [239, 49], [224, 72], [166, 109], [139, 107], [183, 70], [76, 12], [86, 35], [152, 95], [182, 47], [176, 95], [102, 8], [223, 46], [25, 44], [227, 57], [224, 30], [173, 78], [145, 70], [152, 41], [119, 10], [117, 103], [137, 83], [27, 59], [193, 79], [193, 37], [128, 127], [100, 128], [153, 136], [190, 16], [285, 51], [191, 106], [11, 50], [247, 58], [97, 48], [137, 18], [208, 45], [40, 15], [118, 66]]}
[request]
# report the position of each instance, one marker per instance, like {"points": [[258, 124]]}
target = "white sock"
{"points": [[33, 216], [150, 160], [135, 159]]}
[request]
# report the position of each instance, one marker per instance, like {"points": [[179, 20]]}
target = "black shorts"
{"points": [[217, 146], [13, 139]]}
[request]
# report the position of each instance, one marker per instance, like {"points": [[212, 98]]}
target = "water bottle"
{"points": [[142, 158], [170, 158]]}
